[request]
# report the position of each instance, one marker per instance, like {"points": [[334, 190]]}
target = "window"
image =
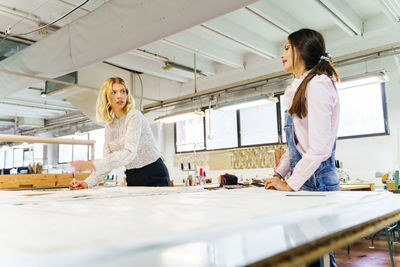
{"points": [[362, 110], [98, 136], [65, 152], [52, 86], [10, 47], [18, 157], [80, 152], [190, 135], [258, 125], [281, 99], [28, 157], [9, 158], [2, 159], [38, 153], [362, 113], [221, 129]]}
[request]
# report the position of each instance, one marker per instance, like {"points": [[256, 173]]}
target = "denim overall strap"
{"points": [[325, 177]]}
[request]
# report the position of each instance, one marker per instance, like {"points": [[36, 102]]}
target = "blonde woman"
{"points": [[128, 142]]}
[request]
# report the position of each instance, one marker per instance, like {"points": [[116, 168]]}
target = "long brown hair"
{"points": [[310, 47]]}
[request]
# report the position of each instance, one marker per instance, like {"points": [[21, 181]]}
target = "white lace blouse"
{"points": [[128, 142]]}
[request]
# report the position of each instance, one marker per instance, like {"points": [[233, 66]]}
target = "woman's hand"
{"points": [[82, 165], [277, 184], [77, 185]]}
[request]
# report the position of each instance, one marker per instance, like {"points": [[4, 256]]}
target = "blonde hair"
{"points": [[104, 111]]}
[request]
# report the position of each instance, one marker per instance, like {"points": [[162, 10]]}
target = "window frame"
{"points": [[262, 144], [204, 138], [280, 128], [225, 148], [238, 133], [72, 150], [385, 118]]}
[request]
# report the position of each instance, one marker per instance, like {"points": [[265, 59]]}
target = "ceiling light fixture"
{"points": [[187, 115], [248, 102], [363, 79], [171, 65]]}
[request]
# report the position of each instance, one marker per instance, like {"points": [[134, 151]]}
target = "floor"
{"points": [[361, 255]]}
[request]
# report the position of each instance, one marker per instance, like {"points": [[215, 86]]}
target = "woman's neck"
{"points": [[118, 113], [299, 72]]}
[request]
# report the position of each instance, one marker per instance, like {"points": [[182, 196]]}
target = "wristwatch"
{"points": [[279, 177]]}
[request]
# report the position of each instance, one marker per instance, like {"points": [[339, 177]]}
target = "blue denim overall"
{"points": [[324, 178]]}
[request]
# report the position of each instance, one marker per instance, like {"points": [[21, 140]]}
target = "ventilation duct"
{"points": [[116, 27]]}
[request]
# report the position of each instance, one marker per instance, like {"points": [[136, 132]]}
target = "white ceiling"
{"points": [[235, 40]]}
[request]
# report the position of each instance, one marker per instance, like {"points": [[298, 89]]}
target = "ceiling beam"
{"points": [[276, 16], [196, 44], [21, 111], [239, 34], [343, 16], [148, 66], [389, 9], [73, 5], [34, 107], [47, 106], [165, 52]]}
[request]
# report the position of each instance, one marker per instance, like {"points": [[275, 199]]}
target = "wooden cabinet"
{"points": [[38, 180]]}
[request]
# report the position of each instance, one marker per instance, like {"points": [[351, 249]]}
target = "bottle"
{"points": [[109, 181]]}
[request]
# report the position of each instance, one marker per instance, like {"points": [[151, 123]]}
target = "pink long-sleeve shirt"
{"points": [[316, 133]]}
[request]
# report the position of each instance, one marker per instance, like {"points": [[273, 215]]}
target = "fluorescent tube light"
{"points": [[248, 102], [362, 80], [171, 65], [181, 117]]}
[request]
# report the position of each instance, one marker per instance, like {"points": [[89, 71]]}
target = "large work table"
{"points": [[181, 226]]}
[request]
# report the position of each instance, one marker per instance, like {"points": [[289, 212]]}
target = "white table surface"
{"points": [[173, 226]]}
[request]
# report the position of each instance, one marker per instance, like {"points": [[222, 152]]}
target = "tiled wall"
{"points": [[240, 158]]}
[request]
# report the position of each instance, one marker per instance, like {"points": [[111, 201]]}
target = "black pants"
{"points": [[154, 174]]}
